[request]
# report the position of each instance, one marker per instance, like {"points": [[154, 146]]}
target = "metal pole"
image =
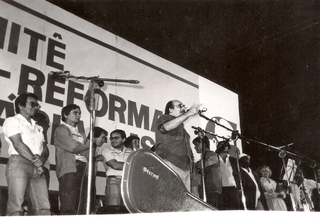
{"points": [[203, 184]]}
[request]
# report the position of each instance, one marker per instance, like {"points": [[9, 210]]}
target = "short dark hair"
{"points": [[22, 100], [121, 132], [222, 145], [42, 119], [67, 109], [97, 131], [128, 141], [169, 105], [205, 141]]}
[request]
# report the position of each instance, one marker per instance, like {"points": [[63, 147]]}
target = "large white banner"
{"points": [[37, 38]]}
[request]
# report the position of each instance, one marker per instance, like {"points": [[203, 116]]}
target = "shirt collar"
{"points": [[248, 170], [24, 119], [71, 127]]}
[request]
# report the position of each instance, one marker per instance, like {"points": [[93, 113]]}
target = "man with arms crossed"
{"points": [[114, 159]]}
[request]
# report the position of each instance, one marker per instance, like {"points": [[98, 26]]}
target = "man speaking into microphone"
{"points": [[173, 141]]}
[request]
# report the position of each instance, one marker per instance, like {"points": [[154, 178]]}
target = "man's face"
{"points": [[197, 147], [135, 144], [244, 161], [101, 140], [31, 107], [73, 118], [178, 109], [116, 140], [224, 153]]}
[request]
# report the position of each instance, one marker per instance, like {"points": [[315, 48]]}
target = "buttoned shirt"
{"points": [[226, 173], [111, 153], [174, 145], [31, 133], [76, 135]]}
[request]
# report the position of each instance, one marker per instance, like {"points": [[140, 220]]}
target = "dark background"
{"points": [[266, 51]]}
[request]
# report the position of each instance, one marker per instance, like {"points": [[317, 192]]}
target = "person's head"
{"points": [[265, 171], [132, 142], [197, 146], [71, 114], [99, 136], [175, 108], [43, 120], [27, 104], [244, 160], [223, 148], [117, 137]]}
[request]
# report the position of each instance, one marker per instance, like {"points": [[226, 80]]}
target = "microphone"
{"points": [[234, 135], [197, 129], [59, 74], [203, 110], [134, 82]]}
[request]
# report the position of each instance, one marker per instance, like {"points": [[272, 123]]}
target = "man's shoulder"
{"points": [[13, 120], [62, 129], [164, 117]]}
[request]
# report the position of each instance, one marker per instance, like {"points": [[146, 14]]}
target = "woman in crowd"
{"points": [[274, 195]]}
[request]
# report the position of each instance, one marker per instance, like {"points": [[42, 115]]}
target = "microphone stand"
{"points": [[97, 83], [236, 135], [199, 131]]}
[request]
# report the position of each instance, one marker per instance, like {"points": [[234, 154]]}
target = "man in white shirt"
{"points": [[27, 153], [115, 158], [229, 198]]}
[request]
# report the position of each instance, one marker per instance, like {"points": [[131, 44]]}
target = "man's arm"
{"points": [[114, 164], [174, 123], [63, 139], [45, 153], [23, 150]]}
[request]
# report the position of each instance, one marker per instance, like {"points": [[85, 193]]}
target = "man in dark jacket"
{"points": [[254, 195]]}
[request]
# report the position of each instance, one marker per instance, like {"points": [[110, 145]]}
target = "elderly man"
{"points": [[173, 141], [27, 153]]}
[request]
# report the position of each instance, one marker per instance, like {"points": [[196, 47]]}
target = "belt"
{"points": [[114, 176], [80, 162]]}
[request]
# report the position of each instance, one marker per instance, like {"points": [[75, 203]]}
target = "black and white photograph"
{"points": [[176, 109]]}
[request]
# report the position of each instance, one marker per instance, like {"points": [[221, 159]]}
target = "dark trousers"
{"points": [[229, 199], [69, 190], [213, 199]]}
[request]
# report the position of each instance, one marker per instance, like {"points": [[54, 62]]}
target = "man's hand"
{"points": [[193, 110], [36, 161], [99, 158]]}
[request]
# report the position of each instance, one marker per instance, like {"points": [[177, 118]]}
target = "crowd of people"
{"points": [[223, 181]]}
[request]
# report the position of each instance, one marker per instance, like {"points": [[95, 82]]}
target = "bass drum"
{"points": [[150, 185]]}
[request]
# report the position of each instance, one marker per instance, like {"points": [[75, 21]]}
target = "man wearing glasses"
{"points": [[173, 141], [114, 159], [27, 153]]}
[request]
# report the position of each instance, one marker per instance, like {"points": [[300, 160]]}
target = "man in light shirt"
{"points": [[27, 153], [115, 157], [229, 198], [71, 158]]}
